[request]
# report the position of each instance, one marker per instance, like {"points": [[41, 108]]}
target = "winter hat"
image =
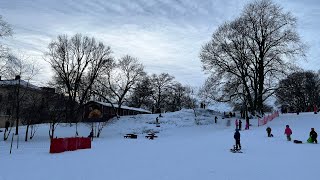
{"points": [[287, 126], [312, 129], [237, 130]]}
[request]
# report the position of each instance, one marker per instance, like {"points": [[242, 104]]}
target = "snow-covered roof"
{"points": [[16, 82], [122, 107]]}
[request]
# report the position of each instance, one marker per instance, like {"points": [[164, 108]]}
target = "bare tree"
{"points": [[121, 77], [77, 62], [116, 84], [5, 31], [142, 94], [53, 110], [20, 66], [253, 51], [160, 83], [31, 112], [178, 97]]}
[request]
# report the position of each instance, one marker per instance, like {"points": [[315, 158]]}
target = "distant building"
{"points": [[96, 111], [15, 95]]}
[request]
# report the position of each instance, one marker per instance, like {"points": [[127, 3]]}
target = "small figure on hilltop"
{"points": [[236, 137], [215, 119], [288, 132], [313, 136], [240, 124], [269, 132], [236, 123]]}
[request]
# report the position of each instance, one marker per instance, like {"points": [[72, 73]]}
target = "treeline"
{"points": [[84, 69], [248, 56], [299, 92]]}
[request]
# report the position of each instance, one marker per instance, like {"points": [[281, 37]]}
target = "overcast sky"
{"points": [[166, 35]]}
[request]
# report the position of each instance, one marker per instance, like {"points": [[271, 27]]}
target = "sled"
{"points": [[297, 141], [309, 140], [235, 150]]}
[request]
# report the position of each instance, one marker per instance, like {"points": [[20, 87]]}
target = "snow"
{"points": [[122, 107], [183, 150]]}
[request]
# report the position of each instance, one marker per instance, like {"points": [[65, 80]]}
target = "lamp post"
{"points": [[18, 105]]}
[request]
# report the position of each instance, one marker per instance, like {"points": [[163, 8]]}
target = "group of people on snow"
{"points": [[288, 132], [312, 135], [238, 124]]}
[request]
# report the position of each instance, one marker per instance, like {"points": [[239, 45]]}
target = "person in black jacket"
{"points": [[269, 132], [236, 136], [313, 135], [240, 124]]}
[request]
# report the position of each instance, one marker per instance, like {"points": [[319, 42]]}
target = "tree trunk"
{"points": [[77, 129], [51, 131], [5, 137], [31, 132], [27, 130]]}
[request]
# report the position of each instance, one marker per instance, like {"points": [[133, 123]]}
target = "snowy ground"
{"points": [[183, 151]]}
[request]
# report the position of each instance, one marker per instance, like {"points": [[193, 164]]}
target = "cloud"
{"points": [[166, 35]]}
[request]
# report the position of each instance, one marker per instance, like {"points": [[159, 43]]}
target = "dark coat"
{"points": [[313, 134], [268, 129], [236, 135]]}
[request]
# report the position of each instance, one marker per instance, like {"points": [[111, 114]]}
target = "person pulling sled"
{"points": [[288, 132], [237, 146]]}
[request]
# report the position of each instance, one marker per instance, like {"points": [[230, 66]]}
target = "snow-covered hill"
{"points": [[187, 148]]}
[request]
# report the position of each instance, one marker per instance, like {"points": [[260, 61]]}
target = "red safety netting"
{"points": [[268, 118]]}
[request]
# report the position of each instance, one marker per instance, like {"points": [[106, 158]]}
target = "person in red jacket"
{"points": [[288, 132]]}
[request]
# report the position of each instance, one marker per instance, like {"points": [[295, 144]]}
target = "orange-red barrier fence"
{"points": [[265, 120], [59, 145]]}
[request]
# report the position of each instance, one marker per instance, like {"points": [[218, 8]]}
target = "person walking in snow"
{"points": [[240, 124], [269, 132], [215, 119], [288, 132], [247, 123], [313, 136], [236, 123], [236, 137]]}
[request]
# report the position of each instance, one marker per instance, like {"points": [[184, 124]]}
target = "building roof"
{"points": [[16, 82], [122, 107]]}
